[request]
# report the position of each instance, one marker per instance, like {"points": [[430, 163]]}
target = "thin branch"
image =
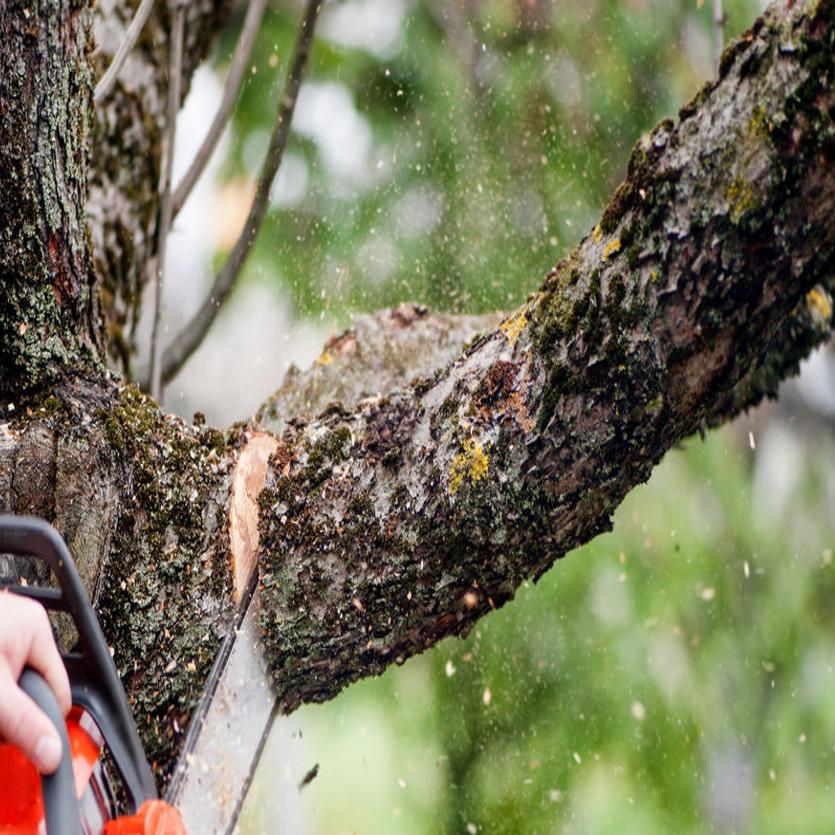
{"points": [[175, 64], [718, 30], [192, 335], [231, 89], [108, 80]]}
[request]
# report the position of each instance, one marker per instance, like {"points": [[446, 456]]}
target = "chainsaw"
{"points": [[237, 703], [80, 797]]}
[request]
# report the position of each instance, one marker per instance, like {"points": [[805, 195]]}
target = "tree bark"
{"points": [[49, 319], [412, 507], [390, 526]]}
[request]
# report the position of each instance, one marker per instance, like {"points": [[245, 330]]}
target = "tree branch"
{"points": [[379, 353], [188, 340], [234, 80], [49, 324], [389, 526], [390, 523], [108, 80]]}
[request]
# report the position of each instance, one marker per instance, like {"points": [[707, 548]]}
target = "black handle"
{"points": [[59, 801], [94, 680]]}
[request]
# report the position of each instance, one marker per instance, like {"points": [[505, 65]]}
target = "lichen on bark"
{"points": [[49, 318], [167, 600]]}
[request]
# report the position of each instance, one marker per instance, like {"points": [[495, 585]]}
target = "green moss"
{"points": [[562, 305], [49, 406], [361, 505], [471, 464], [614, 298], [170, 535], [758, 123], [326, 451]]}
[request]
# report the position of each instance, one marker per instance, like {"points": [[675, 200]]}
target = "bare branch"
{"points": [[192, 335], [234, 80], [108, 80], [125, 164], [175, 64]]}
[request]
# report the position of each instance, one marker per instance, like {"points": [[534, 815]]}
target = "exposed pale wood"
{"points": [[248, 480]]}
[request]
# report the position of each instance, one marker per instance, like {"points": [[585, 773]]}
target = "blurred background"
{"points": [[675, 675]]}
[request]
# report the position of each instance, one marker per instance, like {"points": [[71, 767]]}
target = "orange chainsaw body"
{"points": [[21, 800]]}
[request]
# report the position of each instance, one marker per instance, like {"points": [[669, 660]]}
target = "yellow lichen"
{"points": [[325, 358], [513, 327], [758, 123], [597, 234], [611, 248], [741, 198], [820, 304], [472, 463]]}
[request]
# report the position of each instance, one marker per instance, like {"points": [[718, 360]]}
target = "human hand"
{"points": [[26, 641]]}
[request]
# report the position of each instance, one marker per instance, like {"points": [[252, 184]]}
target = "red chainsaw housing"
{"points": [[21, 802]]}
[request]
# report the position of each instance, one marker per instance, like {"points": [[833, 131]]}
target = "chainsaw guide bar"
{"points": [[228, 730]]}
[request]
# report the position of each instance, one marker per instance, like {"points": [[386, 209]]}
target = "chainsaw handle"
{"points": [[96, 686], [59, 801]]}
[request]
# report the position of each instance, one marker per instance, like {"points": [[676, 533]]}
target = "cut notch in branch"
{"points": [[175, 65], [188, 340], [231, 89], [108, 80]]}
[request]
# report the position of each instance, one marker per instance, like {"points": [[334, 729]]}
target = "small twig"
{"points": [[719, 30], [175, 74], [193, 333], [234, 79], [108, 80]]}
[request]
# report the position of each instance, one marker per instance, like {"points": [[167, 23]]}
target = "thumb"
{"points": [[23, 724]]}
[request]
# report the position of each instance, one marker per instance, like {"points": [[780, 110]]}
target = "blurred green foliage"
{"points": [[498, 131], [673, 676]]}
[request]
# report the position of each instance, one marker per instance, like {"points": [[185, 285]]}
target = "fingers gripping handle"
{"points": [[59, 800], [96, 686]]}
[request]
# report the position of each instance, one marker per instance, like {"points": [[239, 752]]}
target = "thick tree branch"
{"points": [[387, 527], [146, 503], [49, 319], [379, 353]]}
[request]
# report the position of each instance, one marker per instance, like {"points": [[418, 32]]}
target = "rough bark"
{"points": [[49, 320], [406, 512], [390, 526]]}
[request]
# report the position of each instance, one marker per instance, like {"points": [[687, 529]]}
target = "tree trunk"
{"points": [[447, 474]]}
